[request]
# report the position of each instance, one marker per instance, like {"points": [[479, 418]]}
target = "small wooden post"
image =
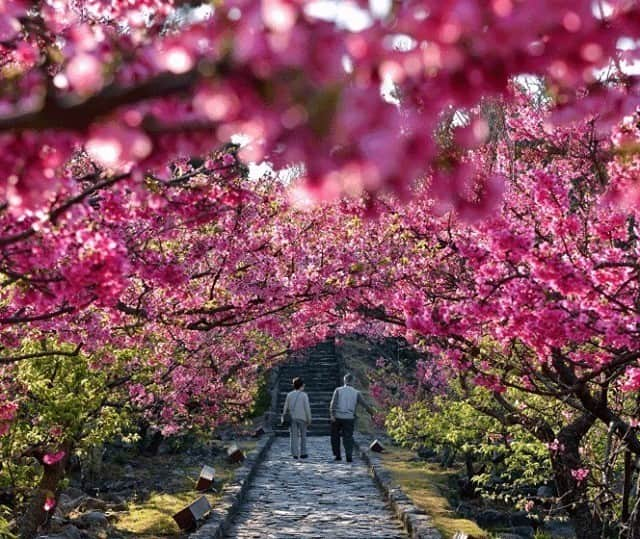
{"points": [[188, 517], [376, 446], [235, 454], [206, 478]]}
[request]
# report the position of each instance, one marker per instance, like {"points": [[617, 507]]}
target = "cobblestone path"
{"points": [[313, 498]]}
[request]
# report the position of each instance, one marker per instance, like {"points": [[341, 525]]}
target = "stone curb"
{"points": [[418, 524], [219, 519]]}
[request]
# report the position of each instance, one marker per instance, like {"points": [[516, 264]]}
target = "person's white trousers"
{"points": [[298, 432]]}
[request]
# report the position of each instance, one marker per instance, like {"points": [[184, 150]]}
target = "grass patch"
{"points": [[428, 487], [153, 516]]}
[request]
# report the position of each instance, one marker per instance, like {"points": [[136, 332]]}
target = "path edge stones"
{"points": [[233, 494], [417, 523]]}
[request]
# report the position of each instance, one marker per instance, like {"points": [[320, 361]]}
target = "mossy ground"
{"points": [[428, 485], [152, 517]]}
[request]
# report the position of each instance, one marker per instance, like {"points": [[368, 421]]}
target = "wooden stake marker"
{"points": [[376, 446], [189, 516], [206, 478], [235, 454]]}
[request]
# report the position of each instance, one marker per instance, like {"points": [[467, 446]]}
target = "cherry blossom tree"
{"points": [[135, 83], [541, 298], [505, 236]]}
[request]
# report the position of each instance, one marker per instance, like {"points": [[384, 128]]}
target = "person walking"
{"points": [[297, 406], [342, 412]]}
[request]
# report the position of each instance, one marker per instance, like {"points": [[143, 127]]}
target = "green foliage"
{"points": [[503, 463], [66, 401], [262, 399], [5, 530], [454, 425]]}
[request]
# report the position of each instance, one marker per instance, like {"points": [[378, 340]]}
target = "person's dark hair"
{"points": [[297, 383], [348, 378]]}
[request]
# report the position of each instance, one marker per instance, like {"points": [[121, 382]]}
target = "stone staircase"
{"points": [[320, 370]]}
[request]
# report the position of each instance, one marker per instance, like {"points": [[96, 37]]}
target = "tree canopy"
{"points": [[189, 190]]}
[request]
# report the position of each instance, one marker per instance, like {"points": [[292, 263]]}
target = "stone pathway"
{"points": [[313, 498]]}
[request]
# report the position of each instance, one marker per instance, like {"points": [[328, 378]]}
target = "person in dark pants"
{"points": [[342, 412]]}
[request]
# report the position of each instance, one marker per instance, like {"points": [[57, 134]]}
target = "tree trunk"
{"points": [[154, 444], [633, 530], [91, 466], [468, 462], [626, 485], [573, 493], [35, 515]]}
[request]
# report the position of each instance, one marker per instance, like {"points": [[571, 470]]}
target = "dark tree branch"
{"points": [[14, 359], [74, 114], [20, 319]]}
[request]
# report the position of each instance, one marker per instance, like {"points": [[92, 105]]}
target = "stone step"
{"points": [[324, 377], [313, 406], [309, 365], [316, 411], [320, 379], [313, 395], [310, 388], [320, 371], [317, 403], [310, 394], [309, 375], [321, 383], [313, 399], [321, 392], [320, 429], [313, 359], [315, 427], [318, 419], [317, 424], [309, 434]]}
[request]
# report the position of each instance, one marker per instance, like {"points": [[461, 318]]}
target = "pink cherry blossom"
{"points": [[117, 147], [84, 73], [49, 503], [579, 474], [53, 458], [9, 27]]}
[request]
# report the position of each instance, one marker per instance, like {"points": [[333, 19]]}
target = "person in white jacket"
{"points": [[297, 404]]}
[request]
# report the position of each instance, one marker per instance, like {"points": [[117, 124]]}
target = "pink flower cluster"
{"points": [[579, 474], [323, 106], [53, 458], [8, 412], [631, 381]]}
